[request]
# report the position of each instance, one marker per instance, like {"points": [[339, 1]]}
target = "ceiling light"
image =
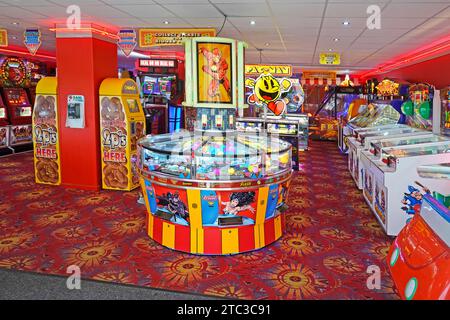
{"points": [[166, 22], [15, 23], [267, 44], [330, 50], [346, 23], [253, 22], [14, 37], [336, 39]]}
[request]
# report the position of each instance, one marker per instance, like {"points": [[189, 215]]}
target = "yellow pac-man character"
{"points": [[267, 89]]}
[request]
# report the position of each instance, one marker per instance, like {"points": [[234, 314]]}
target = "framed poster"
{"points": [[214, 72]]}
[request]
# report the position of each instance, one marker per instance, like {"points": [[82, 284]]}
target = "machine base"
{"points": [[214, 240]]}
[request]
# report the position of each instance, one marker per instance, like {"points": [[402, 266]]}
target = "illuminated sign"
{"points": [[156, 63], [333, 58], [319, 74], [170, 37], [275, 70]]}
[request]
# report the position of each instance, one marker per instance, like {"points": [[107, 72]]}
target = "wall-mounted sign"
{"points": [[3, 38], [275, 70], [75, 111], [127, 41], [156, 63], [32, 40], [333, 58], [319, 74], [170, 37]]}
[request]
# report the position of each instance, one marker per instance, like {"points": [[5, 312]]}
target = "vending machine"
{"points": [[122, 124]]}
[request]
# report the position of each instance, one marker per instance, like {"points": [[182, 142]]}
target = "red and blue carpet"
{"points": [[331, 238]]}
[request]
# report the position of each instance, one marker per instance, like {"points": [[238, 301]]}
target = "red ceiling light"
{"points": [[27, 54], [431, 50], [87, 29]]}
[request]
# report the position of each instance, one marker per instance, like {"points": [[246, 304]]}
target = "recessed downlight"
{"points": [[15, 23], [346, 23], [267, 44], [252, 22], [166, 22], [336, 39]]}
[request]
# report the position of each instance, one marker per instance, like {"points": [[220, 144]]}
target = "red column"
{"points": [[84, 59]]}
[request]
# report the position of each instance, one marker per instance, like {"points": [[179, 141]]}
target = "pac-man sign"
{"points": [[330, 58], [275, 70]]}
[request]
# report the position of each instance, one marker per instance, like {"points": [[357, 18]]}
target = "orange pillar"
{"points": [[84, 59]]}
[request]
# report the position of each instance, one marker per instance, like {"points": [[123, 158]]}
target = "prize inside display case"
{"points": [[214, 190], [291, 128]]}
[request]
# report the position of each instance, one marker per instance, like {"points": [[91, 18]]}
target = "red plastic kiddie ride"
{"points": [[419, 259]]}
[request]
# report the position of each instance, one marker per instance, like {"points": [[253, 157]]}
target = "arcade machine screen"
{"points": [[446, 112], [19, 105], [3, 113], [160, 86]]}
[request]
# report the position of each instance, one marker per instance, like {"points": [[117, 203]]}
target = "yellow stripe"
{"points": [[150, 225], [168, 235], [200, 240], [195, 208], [278, 231], [259, 235], [195, 221], [262, 205], [230, 241]]}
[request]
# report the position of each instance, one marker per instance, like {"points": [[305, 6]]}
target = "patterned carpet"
{"points": [[331, 238]]}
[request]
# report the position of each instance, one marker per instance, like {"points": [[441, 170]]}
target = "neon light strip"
{"points": [[86, 29], [427, 51], [24, 53]]}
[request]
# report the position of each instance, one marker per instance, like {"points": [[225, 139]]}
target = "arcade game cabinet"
{"points": [[335, 105], [4, 129], [19, 111], [122, 124], [162, 85]]}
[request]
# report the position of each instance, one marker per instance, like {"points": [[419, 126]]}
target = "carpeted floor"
{"points": [[331, 239]]}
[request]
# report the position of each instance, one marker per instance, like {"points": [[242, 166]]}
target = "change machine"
{"points": [[47, 167], [122, 124]]}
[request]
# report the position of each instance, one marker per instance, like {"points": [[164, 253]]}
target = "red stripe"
{"points": [[269, 232], [213, 241], [182, 238], [246, 238], [157, 229]]}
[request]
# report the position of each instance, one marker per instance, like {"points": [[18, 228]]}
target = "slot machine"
{"points": [[19, 112], [4, 127]]}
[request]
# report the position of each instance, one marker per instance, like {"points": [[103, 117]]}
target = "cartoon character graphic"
{"points": [[412, 201], [174, 205], [239, 204], [217, 68], [267, 90]]}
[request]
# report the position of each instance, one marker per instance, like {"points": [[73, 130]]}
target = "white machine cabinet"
{"points": [[393, 188], [362, 142]]}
